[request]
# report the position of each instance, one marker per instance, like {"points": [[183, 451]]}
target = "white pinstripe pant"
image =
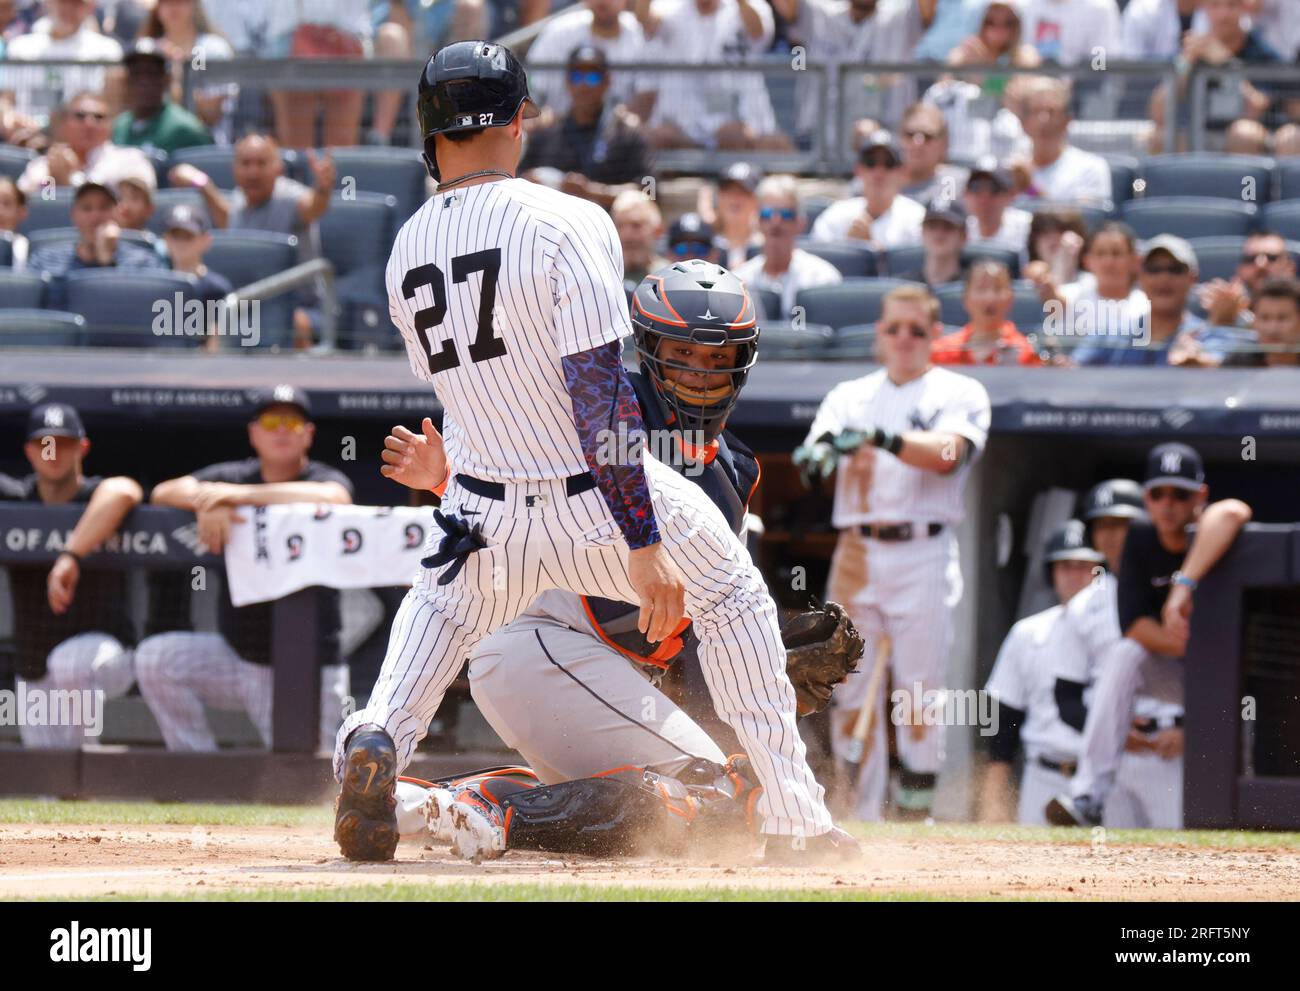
{"points": [[88, 661], [574, 544], [181, 672]]}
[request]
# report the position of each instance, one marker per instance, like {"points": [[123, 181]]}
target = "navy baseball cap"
{"points": [[880, 140], [1174, 464], [54, 420], [741, 174], [947, 211], [987, 167], [282, 395], [690, 228], [183, 217]]}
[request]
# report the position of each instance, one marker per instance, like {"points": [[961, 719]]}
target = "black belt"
{"points": [[573, 485], [896, 531], [1067, 767], [1153, 725]]}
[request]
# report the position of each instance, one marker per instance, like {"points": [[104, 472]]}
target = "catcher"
{"points": [[572, 685]]}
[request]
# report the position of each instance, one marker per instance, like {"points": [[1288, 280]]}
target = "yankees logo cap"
{"points": [[1174, 464], [54, 420], [282, 395]]}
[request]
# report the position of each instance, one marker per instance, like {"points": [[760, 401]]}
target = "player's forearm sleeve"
{"points": [[605, 407], [1005, 741], [1069, 703]]}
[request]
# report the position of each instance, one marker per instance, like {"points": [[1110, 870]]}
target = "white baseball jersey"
{"points": [[897, 227], [491, 286], [1024, 678], [940, 400]]}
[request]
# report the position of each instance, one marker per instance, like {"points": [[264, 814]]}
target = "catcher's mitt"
{"points": [[821, 648]]}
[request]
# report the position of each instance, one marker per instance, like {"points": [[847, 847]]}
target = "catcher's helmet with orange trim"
{"points": [[694, 302]]}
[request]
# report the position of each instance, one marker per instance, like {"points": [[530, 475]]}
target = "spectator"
{"points": [[640, 225], [13, 211], [725, 110], [426, 27], [393, 40], [72, 35], [1230, 303], [1056, 170], [1154, 30], [243, 23], [992, 220], [603, 24], [1277, 327], [734, 212], [972, 132], [880, 216], [1276, 21], [81, 149], [181, 672], [322, 29], [690, 236], [926, 176], [596, 149], [1286, 141], [1245, 137], [17, 18], [943, 236], [135, 191], [98, 245], [1070, 31], [998, 41], [266, 200], [1056, 239], [151, 120], [184, 35], [188, 237], [69, 627], [953, 21], [989, 338], [783, 267], [833, 33]]}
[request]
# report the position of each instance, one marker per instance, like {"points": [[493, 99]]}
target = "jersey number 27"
{"points": [[486, 344]]}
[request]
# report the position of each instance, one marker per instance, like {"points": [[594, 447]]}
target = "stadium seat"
{"points": [[160, 162], [813, 207], [245, 257], [1189, 216], [769, 304], [1026, 310], [951, 309], [14, 160], [785, 341], [56, 235], [43, 214], [218, 161], [1283, 217], [1217, 257], [852, 301], [1093, 216], [6, 248], [119, 306], [853, 259], [399, 172], [854, 342], [165, 199], [1123, 172], [41, 328], [908, 258], [1288, 179], [989, 252], [356, 236], [22, 290], [1229, 177]]}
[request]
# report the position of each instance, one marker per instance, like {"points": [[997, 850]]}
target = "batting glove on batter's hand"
{"points": [[815, 462], [821, 648]]}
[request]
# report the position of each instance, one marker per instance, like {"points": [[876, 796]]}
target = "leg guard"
{"points": [[606, 816]]}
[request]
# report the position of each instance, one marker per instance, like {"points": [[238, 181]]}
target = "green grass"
{"points": [[1230, 838]]}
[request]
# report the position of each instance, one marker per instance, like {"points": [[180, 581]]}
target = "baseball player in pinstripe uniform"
{"points": [[509, 298], [1023, 683], [903, 439], [1159, 568]]}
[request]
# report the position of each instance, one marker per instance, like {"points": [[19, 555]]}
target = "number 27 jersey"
{"points": [[491, 286]]}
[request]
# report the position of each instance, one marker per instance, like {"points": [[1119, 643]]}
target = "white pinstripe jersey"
{"points": [[940, 400], [1024, 678], [491, 286]]}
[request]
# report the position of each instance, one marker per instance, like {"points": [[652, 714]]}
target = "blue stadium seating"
{"points": [[1216, 257], [356, 236], [41, 328], [165, 199], [22, 290], [853, 259], [43, 213], [160, 162], [1288, 179], [1026, 310], [218, 161], [118, 305], [784, 341], [1093, 216], [852, 301], [1283, 217], [6, 248], [56, 235], [245, 257], [813, 207], [14, 160], [1229, 177], [1123, 171], [1189, 216], [769, 304], [854, 342], [911, 257], [399, 172]]}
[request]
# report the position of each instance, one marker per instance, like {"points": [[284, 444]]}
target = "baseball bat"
{"points": [[860, 739]]}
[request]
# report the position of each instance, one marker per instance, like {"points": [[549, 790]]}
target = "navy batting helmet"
{"points": [[468, 86], [696, 302], [1069, 542], [1121, 497]]}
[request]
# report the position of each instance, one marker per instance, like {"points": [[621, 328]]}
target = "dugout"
{"points": [[1054, 433]]}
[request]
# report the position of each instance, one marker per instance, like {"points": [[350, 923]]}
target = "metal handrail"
{"points": [[292, 278]]}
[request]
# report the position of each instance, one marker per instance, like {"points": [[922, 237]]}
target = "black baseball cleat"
{"points": [[365, 815], [835, 847], [1064, 810]]}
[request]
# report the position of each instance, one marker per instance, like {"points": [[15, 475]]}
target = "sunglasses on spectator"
{"points": [[85, 115], [684, 248], [768, 212], [1270, 257], [1156, 268], [879, 162], [276, 421], [1162, 492], [586, 77], [913, 329]]}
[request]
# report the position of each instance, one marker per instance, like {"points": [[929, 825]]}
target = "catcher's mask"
{"points": [[697, 302]]}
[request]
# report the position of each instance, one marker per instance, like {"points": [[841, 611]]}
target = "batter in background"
{"points": [[913, 429]]}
